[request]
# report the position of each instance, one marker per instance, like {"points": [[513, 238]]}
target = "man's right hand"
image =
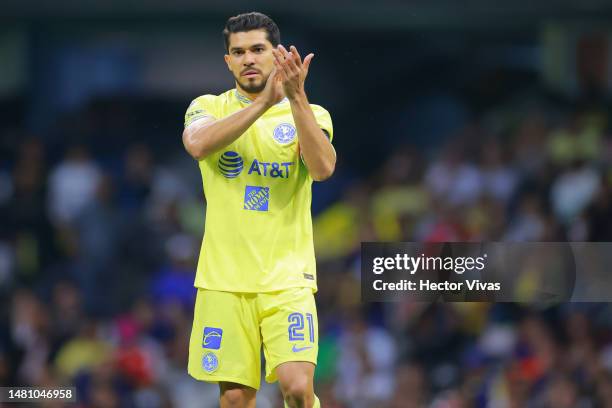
{"points": [[273, 92]]}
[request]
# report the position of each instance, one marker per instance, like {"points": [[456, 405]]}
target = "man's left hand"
{"points": [[293, 71]]}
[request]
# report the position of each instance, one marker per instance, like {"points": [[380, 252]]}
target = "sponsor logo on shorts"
{"points": [[210, 362], [284, 133], [297, 349], [212, 338], [308, 276], [256, 198]]}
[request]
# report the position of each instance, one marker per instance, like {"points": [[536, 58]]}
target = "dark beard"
{"points": [[252, 89]]}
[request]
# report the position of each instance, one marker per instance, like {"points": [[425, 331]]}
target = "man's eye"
{"points": [[238, 52], [259, 50]]}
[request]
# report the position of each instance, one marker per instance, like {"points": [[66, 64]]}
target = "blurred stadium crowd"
{"points": [[98, 252]]}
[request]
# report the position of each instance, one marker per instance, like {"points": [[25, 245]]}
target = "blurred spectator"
{"points": [[578, 142], [573, 191], [498, 177], [411, 388], [97, 230], [528, 143], [599, 214], [452, 179], [529, 223], [85, 351], [365, 363], [136, 178], [174, 282], [24, 220], [604, 390], [30, 326], [67, 311], [563, 393], [401, 199], [72, 185], [337, 230]]}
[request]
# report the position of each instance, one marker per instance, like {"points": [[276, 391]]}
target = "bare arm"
{"points": [[207, 135], [317, 151]]}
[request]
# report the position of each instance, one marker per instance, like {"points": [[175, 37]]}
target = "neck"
{"points": [[251, 96]]}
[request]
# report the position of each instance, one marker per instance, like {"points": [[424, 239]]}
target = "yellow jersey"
{"points": [[258, 229]]}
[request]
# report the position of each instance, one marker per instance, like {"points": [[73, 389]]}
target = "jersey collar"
{"points": [[246, 100]]}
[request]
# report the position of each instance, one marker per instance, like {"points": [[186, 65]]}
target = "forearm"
{"points": [[317, 151], [203, 138]]}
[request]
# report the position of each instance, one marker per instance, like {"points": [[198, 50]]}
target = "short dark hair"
{"points": [[251, 21]]}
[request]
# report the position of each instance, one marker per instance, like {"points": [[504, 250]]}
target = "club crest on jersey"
{"points": [[212, 338], [230, 164], [284, 133], [210, 362], [256, 198]]}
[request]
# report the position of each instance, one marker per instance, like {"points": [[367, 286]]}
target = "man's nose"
{"points": [[249, 59]]}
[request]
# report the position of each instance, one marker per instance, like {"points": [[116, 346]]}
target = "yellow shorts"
{"points": [[229, 330]]}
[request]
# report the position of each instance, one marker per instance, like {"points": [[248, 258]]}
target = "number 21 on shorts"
{"points": [[296, 327]]}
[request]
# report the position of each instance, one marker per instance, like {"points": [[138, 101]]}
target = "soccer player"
{"points": [[259, 147]]}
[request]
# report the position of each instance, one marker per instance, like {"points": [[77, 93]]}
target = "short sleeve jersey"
{"points": [[258, 230]]}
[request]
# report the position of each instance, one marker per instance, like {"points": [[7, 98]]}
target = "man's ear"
{"points": [[226, 57]]}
